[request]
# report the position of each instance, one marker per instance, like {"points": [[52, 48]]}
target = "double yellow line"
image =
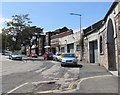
{"points": [[74, 85]]}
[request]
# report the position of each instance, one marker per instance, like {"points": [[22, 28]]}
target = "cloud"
{"points": [[0, 30], [3, 20]]}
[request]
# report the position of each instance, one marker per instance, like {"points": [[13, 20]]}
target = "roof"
{"points": [[93, 28], [111, 9]]}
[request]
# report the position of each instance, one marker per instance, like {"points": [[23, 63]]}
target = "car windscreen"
{"points": [[68, 55], [58, 54], [15, 54]]}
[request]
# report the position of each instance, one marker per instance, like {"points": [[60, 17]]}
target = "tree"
{"points": [[15, 28], [17, 31], [29, 31], [19, 22], [6, 40]]}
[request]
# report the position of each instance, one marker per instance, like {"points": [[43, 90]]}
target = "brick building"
{"points": [[52, 38]]}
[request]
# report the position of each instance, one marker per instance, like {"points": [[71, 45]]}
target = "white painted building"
{"points": [[70, 43]]}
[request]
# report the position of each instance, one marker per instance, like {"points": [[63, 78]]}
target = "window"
{"points": [[77, 47], [62, 49]]}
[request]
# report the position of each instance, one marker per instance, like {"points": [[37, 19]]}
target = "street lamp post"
{"points": [[66, 45], [80, 32], [80, 38]]}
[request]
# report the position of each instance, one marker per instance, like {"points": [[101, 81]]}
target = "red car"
{"points": [[33, 55], [48, 56]]}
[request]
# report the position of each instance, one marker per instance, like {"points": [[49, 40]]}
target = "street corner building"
{"points": [[63, 41], [102, 40], [53, 39]]}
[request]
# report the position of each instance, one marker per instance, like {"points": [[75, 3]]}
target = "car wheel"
{"points": [[54, 59], [21, 59], [62, 64], [45, 58]]}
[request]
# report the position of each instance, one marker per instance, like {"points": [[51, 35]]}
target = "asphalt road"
{"points": [[33, 76], [38, 76]]}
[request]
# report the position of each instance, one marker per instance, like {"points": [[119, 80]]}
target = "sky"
{"points": [[55, 15]]}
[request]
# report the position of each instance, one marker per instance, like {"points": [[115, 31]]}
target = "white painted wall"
{"points": [[93, 37], [70, 38]]}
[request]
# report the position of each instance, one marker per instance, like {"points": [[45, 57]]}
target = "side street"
{"points": [[64, 60]]}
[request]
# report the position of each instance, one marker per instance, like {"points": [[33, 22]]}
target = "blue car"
{"points": [[15, 56], [69, 59]]}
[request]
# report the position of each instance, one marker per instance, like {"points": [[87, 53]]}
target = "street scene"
{"points": [[39, 56]]}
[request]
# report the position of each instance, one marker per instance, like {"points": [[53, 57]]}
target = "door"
{"points": [[93, 51]]}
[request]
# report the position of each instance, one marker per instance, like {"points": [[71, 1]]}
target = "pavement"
{"points": [[94, 79]]}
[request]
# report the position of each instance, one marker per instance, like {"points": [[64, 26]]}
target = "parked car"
{"points": [[69, 59], [48, 56], [33, 55], [56, 56], [60, 58], [15, 56], [6, 53]]}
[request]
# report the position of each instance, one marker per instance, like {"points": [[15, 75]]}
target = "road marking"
{"points": [[50, 91], [91, 78], [55, 62], [70, 87], [82, 79], [39, 82], [38, 71], [17, 87]]}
